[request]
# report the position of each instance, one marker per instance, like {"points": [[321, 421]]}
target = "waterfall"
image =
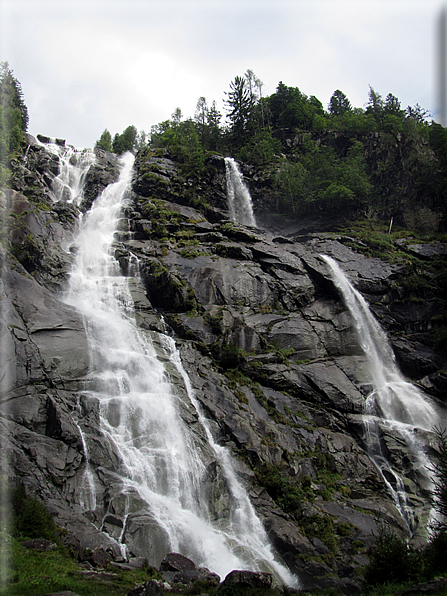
{"points": [[394, 404], [238, 196], [74, 165], [142, 413]]}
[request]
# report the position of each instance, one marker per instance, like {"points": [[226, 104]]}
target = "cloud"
{"points": [[89, 65]]}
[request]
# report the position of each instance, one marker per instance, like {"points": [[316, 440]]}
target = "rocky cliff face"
{"points": [[266, 341]]}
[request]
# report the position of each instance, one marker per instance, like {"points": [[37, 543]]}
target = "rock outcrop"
{"points": [[264, 337]]}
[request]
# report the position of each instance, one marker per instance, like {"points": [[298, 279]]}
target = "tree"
{"points": [[126, 141], [11, 95], [440, 480], [105, 141], [254, 85], [213, 137], [201, 116], [418, 113], [290, 108], [435, 551], [141, 140], [392, 560], [201, 113], [14, 113], [438, 143], [207, 123], [13, 118], [392, 106], [240, 103], [375, 105], [339, 104]]}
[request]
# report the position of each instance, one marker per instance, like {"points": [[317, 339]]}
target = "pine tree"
{"points": [[339, 104], [13, 117], [105, 141], [240, 103]]}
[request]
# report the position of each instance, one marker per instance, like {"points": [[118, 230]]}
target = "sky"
{"points": [[88, 65]]}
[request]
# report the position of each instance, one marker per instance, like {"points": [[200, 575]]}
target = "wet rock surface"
{"points": [[268, 345]]}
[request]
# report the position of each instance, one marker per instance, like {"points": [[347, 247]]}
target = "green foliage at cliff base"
{"points": [[34, 573]]}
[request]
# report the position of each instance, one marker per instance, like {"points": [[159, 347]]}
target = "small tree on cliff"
{"points": [[126, 141], [339, 104], [105, 141]]}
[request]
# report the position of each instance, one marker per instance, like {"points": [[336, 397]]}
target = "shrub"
{"points": [[435, 554], [31, 519], [392, 560], [288, 494], [230, 356]]}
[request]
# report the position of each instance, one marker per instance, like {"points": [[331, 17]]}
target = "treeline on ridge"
{"points": [[314, 159], [380, 159]]}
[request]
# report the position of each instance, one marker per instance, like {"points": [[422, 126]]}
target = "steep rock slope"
{"points": [[267, 343]]}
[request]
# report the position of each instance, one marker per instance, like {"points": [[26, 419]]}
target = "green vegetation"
{"points": [[418, 280], [13, 118], [393, 560], [30, 517], [128, 140], [36, 573], [289, 494], [381, 159]]}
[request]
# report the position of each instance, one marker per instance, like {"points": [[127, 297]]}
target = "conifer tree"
{"points": [[240, 103], [105, 141], [13, 117]]}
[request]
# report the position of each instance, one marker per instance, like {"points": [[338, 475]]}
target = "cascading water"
{"points": [[160, 460], [238, 196], [74, 164], [394, 404]]}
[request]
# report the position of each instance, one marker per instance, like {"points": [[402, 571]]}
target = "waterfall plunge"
{"points": [[394, 403], [160, 459], [74, 164], [238, 195]]}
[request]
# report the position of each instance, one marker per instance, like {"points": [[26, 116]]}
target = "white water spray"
{"points": [[140, 412], [74, 164], [239, 200], [394, 404], [87, 489], [247, 531]]}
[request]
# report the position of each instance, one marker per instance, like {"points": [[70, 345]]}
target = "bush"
{"points": [[435, 554], [287, 494], [31, 518], [393, 561], [230, 356]]}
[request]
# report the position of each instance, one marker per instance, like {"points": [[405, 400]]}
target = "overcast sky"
{"points": [[89, 65]]}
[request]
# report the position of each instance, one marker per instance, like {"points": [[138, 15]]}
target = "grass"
{"points": [[35, 573], [373, 239], [420, 280]]}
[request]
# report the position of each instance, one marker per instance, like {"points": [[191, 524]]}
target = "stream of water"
{"points": [[394, 404], [74, 164], [239, 199], [160, 457]]}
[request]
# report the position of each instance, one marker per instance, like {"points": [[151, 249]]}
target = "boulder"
{"points": [[176, 562], [254, 580], [149, 588]]}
